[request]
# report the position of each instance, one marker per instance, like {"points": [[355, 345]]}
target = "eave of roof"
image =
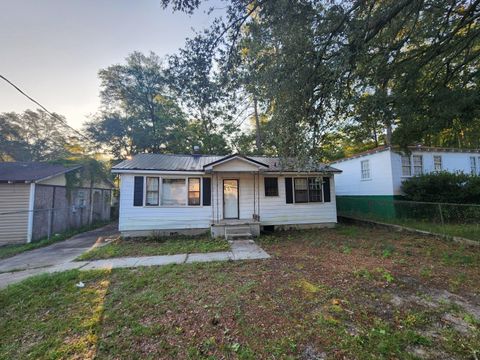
{"points": [[33, 179], [233, 156]]}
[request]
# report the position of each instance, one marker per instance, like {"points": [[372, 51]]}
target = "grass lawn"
{"points": [[156, 246], [344, 293], [468, 231], [11, 250]]}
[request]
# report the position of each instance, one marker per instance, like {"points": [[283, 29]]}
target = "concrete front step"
{"points": [[237, 229], [239, 236]]}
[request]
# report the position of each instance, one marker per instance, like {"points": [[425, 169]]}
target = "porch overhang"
{"points": [[237, 164]]}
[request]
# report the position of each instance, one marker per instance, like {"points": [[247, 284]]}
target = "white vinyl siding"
{"points": [[365, 169], [14, 199], [150, 218], [273, 210]]}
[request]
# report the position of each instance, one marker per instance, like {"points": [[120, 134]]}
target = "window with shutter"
{"points": [[301, 190]]}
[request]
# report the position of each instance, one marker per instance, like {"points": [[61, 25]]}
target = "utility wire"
{"points": [[44, 108]]}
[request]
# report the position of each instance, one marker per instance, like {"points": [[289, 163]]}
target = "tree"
{"points": [[415, 63], [32, 136], [139, 112], [192, 78]]}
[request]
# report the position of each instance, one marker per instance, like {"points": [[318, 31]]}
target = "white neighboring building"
{"points": [[381, 171], [169, 194]]}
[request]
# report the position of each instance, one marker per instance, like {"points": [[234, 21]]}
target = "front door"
{"points": [[230, 199]]}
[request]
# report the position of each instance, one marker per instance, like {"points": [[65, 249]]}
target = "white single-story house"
{"points": [[35, 201], [382, 170], [378, 174], [170, 194]]}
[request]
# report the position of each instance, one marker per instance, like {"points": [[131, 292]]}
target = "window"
{"points": [[301, 190], [271, 186], [365, 165], [194, 191], [315, 189], [81, 199], [151, 195], [173, 192], [417, 165], [437, 163], [406, 166], [473, 165], [308, 189]]}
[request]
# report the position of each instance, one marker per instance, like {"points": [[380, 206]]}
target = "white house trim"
{"points": [[31, 203]]}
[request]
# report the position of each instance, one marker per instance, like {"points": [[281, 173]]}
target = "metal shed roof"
{"points": [[31, 171], [166, 162]]}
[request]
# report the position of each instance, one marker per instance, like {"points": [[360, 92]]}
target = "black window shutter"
{"points": [[326, 189], [207, 191], [138, 191], [288, 190]]}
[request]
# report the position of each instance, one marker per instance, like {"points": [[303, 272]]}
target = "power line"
{"points": [[43, 107]]}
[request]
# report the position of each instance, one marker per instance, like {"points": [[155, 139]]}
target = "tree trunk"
{"points": [[258, 138], [388, 138]]}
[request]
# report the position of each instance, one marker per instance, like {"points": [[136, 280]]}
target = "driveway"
{"points": [[51, 257]]}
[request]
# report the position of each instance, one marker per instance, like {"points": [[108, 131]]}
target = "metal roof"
{"points": [[166, 162], [31, 171]]}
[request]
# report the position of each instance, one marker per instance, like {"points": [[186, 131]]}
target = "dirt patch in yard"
{"points": [[341, 293], [344, 293]]}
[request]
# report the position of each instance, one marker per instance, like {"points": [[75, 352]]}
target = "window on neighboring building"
{"points": [[417, 165], [193, 191], [151, 195], [271, 186], [365, 166], [315, 189], [406, 166], [473, 165], [437, 163], [81, 199], [173, 192], [301, 190]]}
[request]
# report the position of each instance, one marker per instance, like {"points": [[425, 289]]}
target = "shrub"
{"points": [[443, 187]]}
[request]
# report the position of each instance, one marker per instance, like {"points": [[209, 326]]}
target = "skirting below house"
{"points": [[163, 232], [305, 226]]}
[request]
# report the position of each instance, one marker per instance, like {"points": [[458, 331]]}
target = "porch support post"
{"points": [[258, 194], [254, 193]]}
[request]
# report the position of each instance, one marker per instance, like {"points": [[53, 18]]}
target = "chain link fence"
{"points": [[461, 220]]}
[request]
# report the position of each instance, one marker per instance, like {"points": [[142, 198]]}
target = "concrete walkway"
{"points": [[240, 250]]}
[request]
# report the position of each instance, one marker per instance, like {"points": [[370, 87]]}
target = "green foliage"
{"points": [[443, 187], [140, 112], [369, 72], [32, 136]]}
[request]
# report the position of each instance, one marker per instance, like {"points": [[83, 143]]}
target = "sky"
{"points": [[53, 49]]}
